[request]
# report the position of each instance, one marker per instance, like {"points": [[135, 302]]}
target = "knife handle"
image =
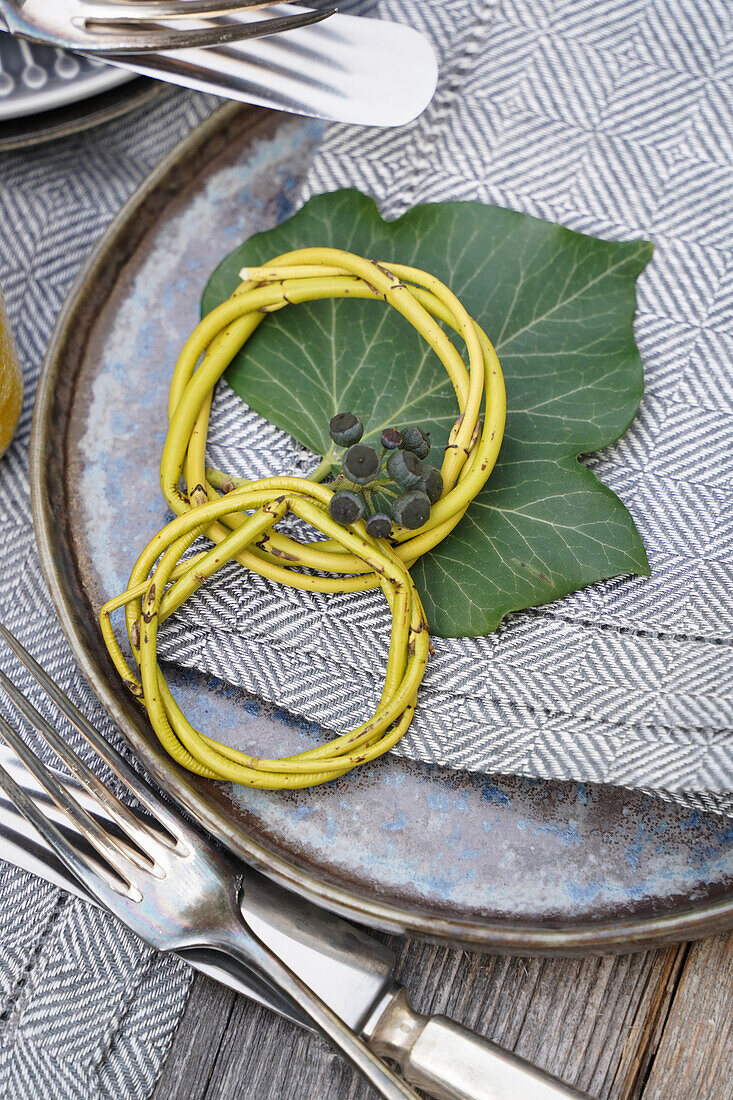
{"points": [[452, 1063]]}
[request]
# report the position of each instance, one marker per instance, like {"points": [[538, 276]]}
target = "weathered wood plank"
{"points": [[196, 1044], [694, 1057], [580, 1018], [589, 1020], [646, 1031]]}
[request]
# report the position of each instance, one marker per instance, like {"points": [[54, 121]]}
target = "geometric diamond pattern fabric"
{"points": [[615, 119]]}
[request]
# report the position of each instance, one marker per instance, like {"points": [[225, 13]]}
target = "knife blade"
{"points": [[353, 69], [350, 970]]}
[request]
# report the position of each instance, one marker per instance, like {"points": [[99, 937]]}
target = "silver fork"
{"points": [[163, 878], [130, 27]]}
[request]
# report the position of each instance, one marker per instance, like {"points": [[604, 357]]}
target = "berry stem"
{"points": [[323, 469]]}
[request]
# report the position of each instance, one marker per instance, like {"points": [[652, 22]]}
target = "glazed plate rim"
{"points": [[685, 921]]}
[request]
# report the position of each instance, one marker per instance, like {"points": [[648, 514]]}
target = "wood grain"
{"points": [[595, 1022], [646, 1034], [197, 1041], [694, 1056]]}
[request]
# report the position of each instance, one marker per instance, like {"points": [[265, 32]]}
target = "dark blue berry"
{"points": [[379, 526], [345, 429], [346, 507], [431, 482], [391, 439], [412, 509], [416, 440], [405, 468], [361, 463]]}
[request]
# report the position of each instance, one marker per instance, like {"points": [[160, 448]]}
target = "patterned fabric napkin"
{"points": [[615, 119]]}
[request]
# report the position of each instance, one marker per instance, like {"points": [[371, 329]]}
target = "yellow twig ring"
{"points": [[242, 524]]}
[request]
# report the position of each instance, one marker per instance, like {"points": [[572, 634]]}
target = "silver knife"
{"points": [[348, 68], [348, 969]]}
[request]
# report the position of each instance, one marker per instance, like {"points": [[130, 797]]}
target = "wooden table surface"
{"points": [[657, 1026]]}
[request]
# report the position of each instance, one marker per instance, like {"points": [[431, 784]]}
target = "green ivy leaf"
{"points": [[558, 307]]}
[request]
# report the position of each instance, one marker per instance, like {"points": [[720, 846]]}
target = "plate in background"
{"points": [[31, 130], [499, 862], [35, 78]]}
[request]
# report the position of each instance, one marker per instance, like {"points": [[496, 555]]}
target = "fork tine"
{"points": [[136, 784], [84, 822], [98, 879], [129, 42], [136, 829]]}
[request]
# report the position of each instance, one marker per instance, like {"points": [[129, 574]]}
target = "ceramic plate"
{"points": [[20, 133], [500, 862], [37, 78]]}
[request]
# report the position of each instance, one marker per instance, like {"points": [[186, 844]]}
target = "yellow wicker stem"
{"points": [[242, 523]]}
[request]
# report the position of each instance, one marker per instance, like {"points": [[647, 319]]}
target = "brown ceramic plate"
{"points": [[498, 862]]}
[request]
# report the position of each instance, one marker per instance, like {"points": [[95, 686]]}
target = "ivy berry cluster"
{"points": [[399, 471]]}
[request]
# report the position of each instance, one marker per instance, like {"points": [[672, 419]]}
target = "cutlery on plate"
{"points": [[160, 875], [68, 823], [113, 27], [370, 72]]}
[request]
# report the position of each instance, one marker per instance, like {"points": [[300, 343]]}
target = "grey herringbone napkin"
{"points": [[614, 118]]}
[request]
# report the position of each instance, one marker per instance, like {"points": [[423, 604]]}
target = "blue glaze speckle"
{"points": [[492, 793], [583, 893]]}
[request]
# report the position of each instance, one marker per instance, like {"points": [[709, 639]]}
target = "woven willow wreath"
{"points": [[242, 524]]}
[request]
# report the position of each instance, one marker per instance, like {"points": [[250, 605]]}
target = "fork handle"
{"points": [[242, 944]]}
